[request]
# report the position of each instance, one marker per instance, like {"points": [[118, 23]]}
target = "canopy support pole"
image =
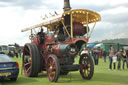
{"points": [[92, 29], [65, 28], [87, 23], [71, 26]]}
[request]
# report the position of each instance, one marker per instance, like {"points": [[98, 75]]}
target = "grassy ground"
{"points": [[102, 76]]}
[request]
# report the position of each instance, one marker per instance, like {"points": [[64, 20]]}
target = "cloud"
{"points": [[115, 15], [12, 21], [26, 4], [113, 23], [98, 5], [108, 30], [32, 4], [108, 35]]}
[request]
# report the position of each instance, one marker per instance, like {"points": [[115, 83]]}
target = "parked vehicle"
{"points": [[15, 50], [4, 49], [9, 69], [11, 51]]}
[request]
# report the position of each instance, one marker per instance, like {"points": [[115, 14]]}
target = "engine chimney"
{"points": [[66, 5]]}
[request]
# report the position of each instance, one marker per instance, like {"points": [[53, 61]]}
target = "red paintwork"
{"points": [[56, 49], [35, 39], [74, 40], [50, 40]]}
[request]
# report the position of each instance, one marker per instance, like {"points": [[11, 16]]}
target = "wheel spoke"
{"points": [[53, 63], [88, 69], [48, 66], [86, 73], [84, 65], [50, 61], [89, 65], [81, 66], [54, 68], [28, 70], [52, 75], [27, 64]]}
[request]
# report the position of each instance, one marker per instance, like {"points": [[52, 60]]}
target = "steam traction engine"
{"points": [[56, 50]]}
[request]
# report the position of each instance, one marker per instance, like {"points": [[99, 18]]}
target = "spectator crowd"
{"points": [[116, 57]]}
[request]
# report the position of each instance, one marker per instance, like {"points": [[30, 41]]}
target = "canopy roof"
{"points": [[78, 15]]}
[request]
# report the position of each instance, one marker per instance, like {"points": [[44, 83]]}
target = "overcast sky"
{"points": [[18, 14]]}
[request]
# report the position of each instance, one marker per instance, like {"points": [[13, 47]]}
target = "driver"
{"points": [[42, 36]]}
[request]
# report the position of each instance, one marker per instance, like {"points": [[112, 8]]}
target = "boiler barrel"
{"points": [[65, 50]]}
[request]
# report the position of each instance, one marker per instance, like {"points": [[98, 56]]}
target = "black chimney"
{"points": [[66, 5]]}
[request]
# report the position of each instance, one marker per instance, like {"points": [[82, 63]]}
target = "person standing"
{"points": [[114, 58], [104, 55], [111, 54], [89, 51], [93, 54], [84, 51], [96, 56], [118, 54], [41, 35], [16, 52], [124, 57]]}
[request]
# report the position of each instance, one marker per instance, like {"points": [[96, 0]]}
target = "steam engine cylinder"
{"points": [[65, 49]]}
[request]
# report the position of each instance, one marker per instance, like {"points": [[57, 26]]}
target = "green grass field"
{"points": [[102, 76]]}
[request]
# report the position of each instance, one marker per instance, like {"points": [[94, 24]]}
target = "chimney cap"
{"points": [[66, 5]]}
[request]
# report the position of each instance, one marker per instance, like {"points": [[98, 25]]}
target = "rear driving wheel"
{"points": [[31, 60], [53, 68], [86, 66]]}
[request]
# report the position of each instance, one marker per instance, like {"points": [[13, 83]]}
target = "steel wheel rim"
{"points": [[51, 68], [85, 67], [27, 60]]}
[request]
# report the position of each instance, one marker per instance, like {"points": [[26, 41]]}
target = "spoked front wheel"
{"points": [[53, 68], [86, 66]]}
